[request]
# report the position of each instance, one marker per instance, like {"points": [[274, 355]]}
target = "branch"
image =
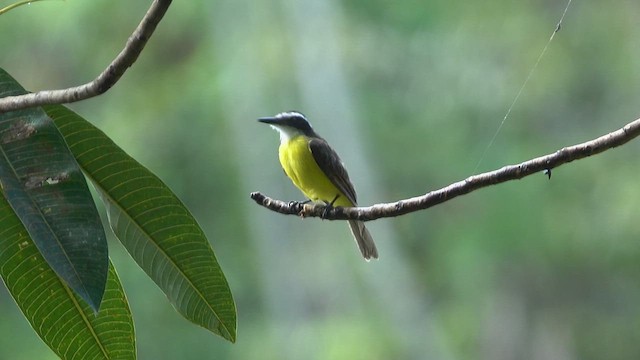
{"points": [[475, 182], [106, 79], [15, 5]]}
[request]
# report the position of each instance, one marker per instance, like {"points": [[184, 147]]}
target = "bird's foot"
{"points": [[326, 211], [298, 203], [328, 207], [299, 206]]}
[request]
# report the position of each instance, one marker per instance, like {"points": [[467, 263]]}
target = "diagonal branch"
{"points": [[475, 182], [106, 79]]}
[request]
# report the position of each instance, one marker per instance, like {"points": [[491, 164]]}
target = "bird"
{"points": [[316, 169]]}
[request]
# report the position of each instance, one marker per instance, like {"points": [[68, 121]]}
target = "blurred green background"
{"points": [[409, 93]]}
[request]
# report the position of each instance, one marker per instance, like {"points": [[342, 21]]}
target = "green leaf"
{"points": [[44, 185], [66, 324], [155, 227]]}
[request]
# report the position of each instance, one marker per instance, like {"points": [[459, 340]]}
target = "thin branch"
{"points": [[475, 182], [106, 79], [15, 5]]}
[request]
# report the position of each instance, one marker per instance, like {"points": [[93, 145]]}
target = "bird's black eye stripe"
{"points": [[296, 120]]}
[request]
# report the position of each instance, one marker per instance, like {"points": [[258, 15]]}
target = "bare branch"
{"points": [[15, 5], [106, 79], [475, 182]]}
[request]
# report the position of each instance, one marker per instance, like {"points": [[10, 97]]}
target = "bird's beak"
{"points": [[269, 120]]}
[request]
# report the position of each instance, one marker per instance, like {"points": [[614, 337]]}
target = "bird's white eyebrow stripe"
{"points": [[291, 113]]}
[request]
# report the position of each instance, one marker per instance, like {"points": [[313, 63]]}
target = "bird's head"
{"points": [[289, 124]]}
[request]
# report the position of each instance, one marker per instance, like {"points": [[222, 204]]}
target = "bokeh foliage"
{"points": [[410, 94]]}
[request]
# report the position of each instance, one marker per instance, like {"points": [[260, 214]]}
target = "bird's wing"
{"points": [[330, 163]]}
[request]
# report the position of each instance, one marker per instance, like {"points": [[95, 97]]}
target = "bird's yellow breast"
{"points": [[300, 166]]}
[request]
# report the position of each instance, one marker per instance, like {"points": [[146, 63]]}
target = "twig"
{"points": [[475, 182], [106, 79], [15, 5]]}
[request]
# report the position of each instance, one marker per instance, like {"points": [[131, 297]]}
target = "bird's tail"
{"points": [[363, 239]]}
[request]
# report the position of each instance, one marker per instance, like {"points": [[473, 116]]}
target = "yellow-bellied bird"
{"points": [[315, 169]]}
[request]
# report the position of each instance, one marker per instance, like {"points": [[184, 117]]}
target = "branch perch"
{"points": [[106, 79], [475, 182]]}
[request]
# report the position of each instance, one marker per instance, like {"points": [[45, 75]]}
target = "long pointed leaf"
{"points": [[66, 324], [155, 227], [45, 187]]}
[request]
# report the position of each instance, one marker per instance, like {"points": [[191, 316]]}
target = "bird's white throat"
{"points": [[286, 133]]}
